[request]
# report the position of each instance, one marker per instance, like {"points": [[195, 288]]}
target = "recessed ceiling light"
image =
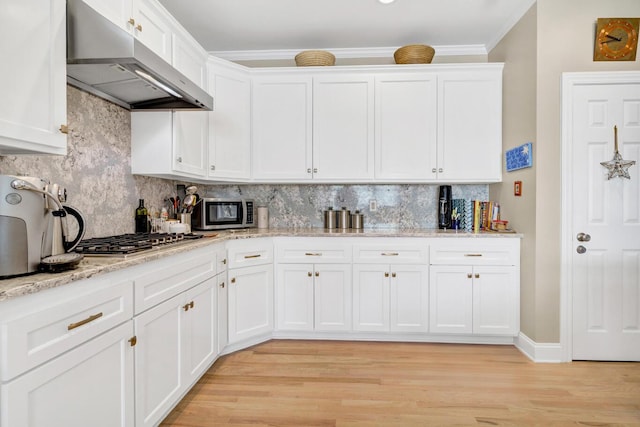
{"points": [[386, 1]]}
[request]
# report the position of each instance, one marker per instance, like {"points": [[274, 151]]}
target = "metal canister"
{"points": [[330, 218], [344, 218], [357, 220]]}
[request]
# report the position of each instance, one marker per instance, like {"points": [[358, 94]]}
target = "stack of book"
{"points": [[484, 213]]}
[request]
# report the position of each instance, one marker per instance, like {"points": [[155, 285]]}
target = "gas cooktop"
{"points": [[128, 244]]}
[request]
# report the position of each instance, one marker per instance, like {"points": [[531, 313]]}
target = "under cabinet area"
{"points": [[475, 287]]}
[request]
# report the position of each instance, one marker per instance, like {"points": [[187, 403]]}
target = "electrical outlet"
{"points": [[373, 205]]}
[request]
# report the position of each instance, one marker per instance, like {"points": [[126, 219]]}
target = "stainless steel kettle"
{"points": [[45, 240]]}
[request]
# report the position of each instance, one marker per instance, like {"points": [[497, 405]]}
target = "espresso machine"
{"points": [[444, 207], [34, 232]]}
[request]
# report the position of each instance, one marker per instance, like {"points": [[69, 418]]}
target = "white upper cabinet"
{"points": [[169, 144], [33, 111], [145, 19], [282, 128], [406, 127], [470, 124], [343, 127], [189, 58], [313, 127], [229, 122]]}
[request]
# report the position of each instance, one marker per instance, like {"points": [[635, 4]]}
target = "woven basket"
{"points": [[315, 57], [414, 54]]}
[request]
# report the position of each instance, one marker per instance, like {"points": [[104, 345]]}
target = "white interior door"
{"points": [[605, 222]]}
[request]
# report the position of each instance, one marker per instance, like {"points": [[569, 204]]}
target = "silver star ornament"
{"points": [[618, 166]]}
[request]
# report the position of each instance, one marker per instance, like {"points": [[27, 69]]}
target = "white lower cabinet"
{"points": [[314, 297], [175, 344], [474, 299], [390, 298], [250, 302], [250, 291], [91, 385], [475, 287]]}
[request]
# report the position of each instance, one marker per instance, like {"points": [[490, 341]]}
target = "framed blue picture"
{"points": [[519, 157]]}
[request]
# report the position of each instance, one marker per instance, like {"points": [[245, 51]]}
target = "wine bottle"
{"points": [[142, 218]]}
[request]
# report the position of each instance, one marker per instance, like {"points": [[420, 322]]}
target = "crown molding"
{"points": [[377, 52]]}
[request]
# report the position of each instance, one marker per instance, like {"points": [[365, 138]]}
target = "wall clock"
{"points": [[616, 39]]}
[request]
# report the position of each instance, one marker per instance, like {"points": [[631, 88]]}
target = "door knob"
{"points": [[581, 249], [583, 237]]}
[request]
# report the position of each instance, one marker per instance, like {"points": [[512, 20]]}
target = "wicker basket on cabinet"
{"points": [[414, 54], [309, 58]]}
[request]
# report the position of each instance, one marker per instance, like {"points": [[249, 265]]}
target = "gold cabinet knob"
{"points": [[309, 274], [64, 129], [317, 273], [468, 275], [386, 274], [393, 274], [477, 276], [139, 27], [233, 280], [131, 21], [222, 285]]}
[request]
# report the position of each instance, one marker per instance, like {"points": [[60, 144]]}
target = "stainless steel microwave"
{"points": [[218, 214]]}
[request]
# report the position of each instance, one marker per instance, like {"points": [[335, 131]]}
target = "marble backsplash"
{"points": [[97, 174]]}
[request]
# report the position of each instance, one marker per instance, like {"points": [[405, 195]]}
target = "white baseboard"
{"points": [[539, 352]]}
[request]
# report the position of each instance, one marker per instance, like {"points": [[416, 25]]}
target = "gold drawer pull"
{"points": [[84, 322], [252, 256], [313, 254], [473, 255], [390, 254]]}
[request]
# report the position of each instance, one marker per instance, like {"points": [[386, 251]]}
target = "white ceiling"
{"points": [[240, 27]]}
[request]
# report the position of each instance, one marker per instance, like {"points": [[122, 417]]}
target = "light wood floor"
{"points": [[329, 383]]}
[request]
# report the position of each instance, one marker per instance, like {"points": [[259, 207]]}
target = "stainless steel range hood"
{"points": [[111, 63]]}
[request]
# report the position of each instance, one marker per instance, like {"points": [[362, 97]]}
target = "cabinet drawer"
{"points": [[317, 251], [52, 329], [244, 253], [475, 251], [401, 252], [159, 280]]}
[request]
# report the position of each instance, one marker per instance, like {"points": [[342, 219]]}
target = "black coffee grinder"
{"points": [[444, 207]]}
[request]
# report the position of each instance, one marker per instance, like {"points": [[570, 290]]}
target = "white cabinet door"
{"points": [[406, 124], [295, 293], [158, 378], [91, 385], [191, 137], [120, 12], [153, 27], [282, 128], [451, 299], [33, 111], [169, 144], [495, 301], [250, 302], [371, 297], [470, 126], [409, 302], [332, 297], [223, 309], [230, 122], [199, 329], [343, 128], [189, 58]]}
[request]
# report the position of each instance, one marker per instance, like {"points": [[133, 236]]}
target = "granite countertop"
{"points": [[92, 266]]}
